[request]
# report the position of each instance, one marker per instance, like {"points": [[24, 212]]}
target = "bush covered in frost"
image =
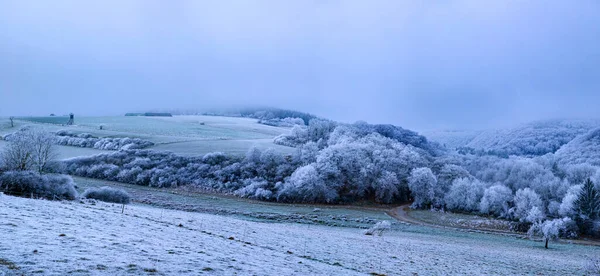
{"points": [[108, 194], [379, 228], [32, 184]]}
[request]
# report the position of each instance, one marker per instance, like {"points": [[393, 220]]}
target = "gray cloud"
{"points": [[415, 64]]}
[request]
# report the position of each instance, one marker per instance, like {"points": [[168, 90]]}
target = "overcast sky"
{"points": [[418, 64]]}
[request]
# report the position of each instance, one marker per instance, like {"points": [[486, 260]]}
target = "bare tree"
{"points": [[12, 121], [29, 149], [44, 150], [18, 154]]}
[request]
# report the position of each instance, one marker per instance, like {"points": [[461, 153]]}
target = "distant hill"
{"points": [[583, 149], [150, 114], [532, 139], [451, 139]]}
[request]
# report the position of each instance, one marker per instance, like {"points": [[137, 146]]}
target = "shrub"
{"points": [[378, 228], [108, 194], [28, 183]]}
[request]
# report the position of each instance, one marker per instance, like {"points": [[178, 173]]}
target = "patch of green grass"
{"points": [[8, 264]]}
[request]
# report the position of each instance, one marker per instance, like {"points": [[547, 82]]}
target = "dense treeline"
{"points": [[372, 167]]}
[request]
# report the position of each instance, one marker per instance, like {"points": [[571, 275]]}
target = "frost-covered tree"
{"points": [[422, 184], [496, 200], [464, 195], [43, 148], [305, 185], [307, 153], [445, 178], [528, 206], [567, 206], [579, 173], [550, 229], [386, 187]]}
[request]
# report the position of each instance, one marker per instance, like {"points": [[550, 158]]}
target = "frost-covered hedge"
{"points": [[86, 140], [108, 194], [32, 184]]}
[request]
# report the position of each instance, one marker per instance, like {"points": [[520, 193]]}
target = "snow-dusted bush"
{"points": [[86, 140], [496, 200], [465, 195], [423, 184], [108, 194], [297, 136], [32, 184], [256, 189], [121, 144], [379, 228]]}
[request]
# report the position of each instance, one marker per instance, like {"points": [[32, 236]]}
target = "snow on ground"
{"points": [[58, 238]]}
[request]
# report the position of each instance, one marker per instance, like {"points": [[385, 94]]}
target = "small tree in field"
{"points": [[12, 121], [549, 229]]}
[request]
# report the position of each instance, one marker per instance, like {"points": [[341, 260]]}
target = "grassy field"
{"points": [[185, 135], [457, 220], [85, 238], [180, 199]]}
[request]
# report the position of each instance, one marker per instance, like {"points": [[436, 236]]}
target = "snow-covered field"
{"points": [[184, 135], [58, 238]]}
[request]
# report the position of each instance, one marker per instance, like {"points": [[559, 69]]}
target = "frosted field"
{"points": [[185, 135], [57, 238], [178, 199]]}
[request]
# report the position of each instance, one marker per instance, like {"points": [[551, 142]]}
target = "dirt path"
{"points": [[401, 213]]}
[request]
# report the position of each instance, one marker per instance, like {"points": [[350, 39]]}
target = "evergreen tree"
{"points": [[588, 202]]}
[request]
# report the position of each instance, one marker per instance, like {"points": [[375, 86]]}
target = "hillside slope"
{"points": [[583, 149]]}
